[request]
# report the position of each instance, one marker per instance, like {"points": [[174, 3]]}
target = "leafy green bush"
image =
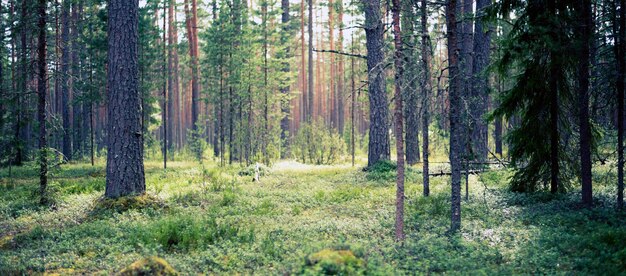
{"points": [[315, 143], [334, 262], [190, 231]]}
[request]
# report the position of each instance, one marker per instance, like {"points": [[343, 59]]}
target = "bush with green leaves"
{"points": [[315, 143]]}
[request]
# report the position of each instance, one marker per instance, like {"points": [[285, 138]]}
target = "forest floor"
{"points": [[302, 219]]}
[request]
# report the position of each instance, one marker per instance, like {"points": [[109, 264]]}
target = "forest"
{"points": [[309, 137]]}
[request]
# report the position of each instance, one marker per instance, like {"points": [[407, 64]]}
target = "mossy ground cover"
{"points": [[302, 219]]}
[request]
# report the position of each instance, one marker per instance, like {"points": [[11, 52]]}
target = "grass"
{"points": [[301, 219]]}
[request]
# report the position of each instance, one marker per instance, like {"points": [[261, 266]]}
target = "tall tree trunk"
{"points": [[41, 106], [125, 171], [378, 148], [164, 97], [620, 52], [456, 108], [192, 34], [480, 94], [304, 96], [398, 59], [74, 67], [410, 81], [353, 99], [554, 132], [331, 41], [310, 71], [285, 108], [341, 74], [65, 70], [586, 34], [172, 76], [426, 88], [465, 36]]}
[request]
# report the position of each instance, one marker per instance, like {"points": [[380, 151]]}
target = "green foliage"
{"points": [[190, 231], [305, 219], [317, 144], [149, 266], [334, 262]]}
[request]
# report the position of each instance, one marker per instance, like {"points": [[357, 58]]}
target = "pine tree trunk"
{"points": [[456, 109], [411, 108], [586, 33], [310, 71], [620, 52], [341, 74], [378, 148], [398, 59], [164, 97], [125, 171], [554, 132], [285, 106], [480, 81], [41, 106], [74, 66], [65, 90], [426, 88]]}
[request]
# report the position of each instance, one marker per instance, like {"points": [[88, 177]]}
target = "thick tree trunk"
{"points": [[456, 108], [378, 148], [398, 59], [125, 171], [41, 106], [192, 34], [480, 81], [586, 34]]}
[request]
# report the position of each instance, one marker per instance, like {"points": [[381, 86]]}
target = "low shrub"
{"points": [[149, 266], [334, 262], [187, 232]]}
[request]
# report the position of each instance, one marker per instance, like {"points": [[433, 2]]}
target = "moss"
{"points": [[334, 262], [149, 266], [61, 271], [125, 203], [6, 242]]}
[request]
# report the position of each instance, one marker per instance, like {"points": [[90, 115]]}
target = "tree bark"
{"points": [[399, 124], [480, 94], [378, 148], [586, 33], [426, 88], [410, 81], [341, 74], [456, 108], [620, 52], [310, 71], [65, 89], [164, 97], [41, 106], [125, 171], [285, 106]]}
